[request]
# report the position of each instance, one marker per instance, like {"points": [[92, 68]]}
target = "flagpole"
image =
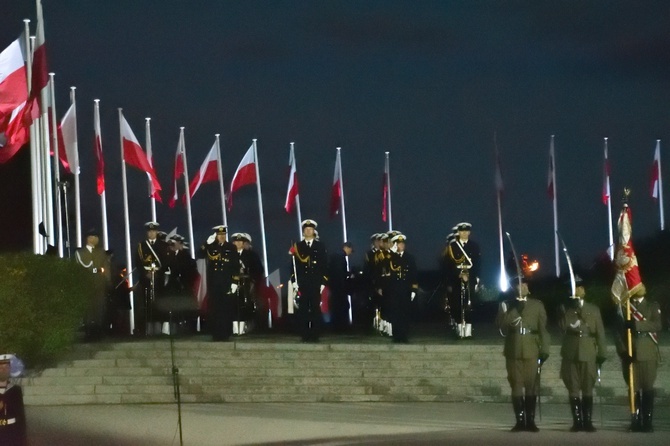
{"points": [[34, 158], [297, 197], [387, 166], [77, 193], [660, 186], [56, 167], [219, 169], [503, 274], [344, 218], [129, 262], [47, 187], [151, 163], [610, 249], [182, 144], [103, 199], [554, 199], [260, 210]]}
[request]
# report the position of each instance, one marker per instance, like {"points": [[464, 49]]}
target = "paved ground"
{"points": [[325, 424]]}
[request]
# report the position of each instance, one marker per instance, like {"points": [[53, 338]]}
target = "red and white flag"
{"points": [[40, 73], [13, 82], [67, 139], [100, 162], [606, 178], [627, 279], [551, 174], [244, 175], [17, 133], [292, 191], [178, 172], [336, 191], [135, 156], [209, 171], [655, 183]]}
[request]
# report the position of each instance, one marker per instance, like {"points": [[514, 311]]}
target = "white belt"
{"points": [[7, 421]]}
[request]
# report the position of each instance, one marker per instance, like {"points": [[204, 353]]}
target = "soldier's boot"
{"points": [[587, 411], [576, 408], [647, 410], [531, 401], [636, 418], [517, 404]]}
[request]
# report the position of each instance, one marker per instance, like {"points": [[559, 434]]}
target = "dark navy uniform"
{"points": [[150, 257], [223, 271], [402, 283], [12, 412], [461, 272]]}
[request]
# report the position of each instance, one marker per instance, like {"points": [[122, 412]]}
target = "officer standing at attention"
{"points": [[12, 412], [311, 277], [523, 322], [583, 351]]}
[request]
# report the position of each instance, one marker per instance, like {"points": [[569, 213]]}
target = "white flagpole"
{"points": [[502, 281], [151, 163], [660, 185], [344, 218], [260, 210], [182, 145], [610, 249], [47, 185], [219, 168], [34, 157], [297, 197], [77, 193], [554, 200], [388, 186], [56, 167], [129, 261], [103, 199]]}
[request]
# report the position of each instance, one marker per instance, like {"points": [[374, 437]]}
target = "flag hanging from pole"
{"points": [[627, 279], [656, 173], [13, 82], [135, 156], [178, 172], [336, 191], [209, 171], [17, 133], [606, 178], [100, 162], [244, 175], [67, 139], [292, 191]]}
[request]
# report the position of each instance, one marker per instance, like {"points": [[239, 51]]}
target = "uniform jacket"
{"points": [[644, 348], [311, 264], [223, 265], [96, 261], [453, 258], [532, 321], [584, 337], [403, 273]]}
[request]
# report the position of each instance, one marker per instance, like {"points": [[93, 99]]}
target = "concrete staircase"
{"points": [[283, 370]]}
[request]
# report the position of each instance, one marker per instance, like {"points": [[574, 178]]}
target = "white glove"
{"points": [[504, 307], [413, 295], [233, 288], [211, 238], [323, 287]]}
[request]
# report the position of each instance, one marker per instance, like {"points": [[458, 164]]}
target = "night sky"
{"points": [[428, 81]]}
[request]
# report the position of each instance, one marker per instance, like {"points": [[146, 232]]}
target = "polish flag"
{"points": [[67, 141], [244, 175], [209, 171], [606, 178], [17, 133], [627, 279], [178, 172], [100, 162], [135, 156], [656, 173], [336, 191], [292, 192], [13, 82], [40, 74], [551, 175]]}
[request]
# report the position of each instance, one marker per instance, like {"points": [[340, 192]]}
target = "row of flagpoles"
{"points": [[656, 192], [28, 114]]}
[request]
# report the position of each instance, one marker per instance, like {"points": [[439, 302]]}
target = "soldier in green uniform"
{"points": [[523, 322], [582, 352], [645, 324]]}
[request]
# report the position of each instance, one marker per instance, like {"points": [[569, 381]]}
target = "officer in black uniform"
{"points": [[223, 275], [311, 277], [182, 272], [150, 263], [402, 288], [12, 412], [340, 287]]}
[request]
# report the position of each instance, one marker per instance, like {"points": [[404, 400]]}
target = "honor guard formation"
{"points": [[320, 292]]}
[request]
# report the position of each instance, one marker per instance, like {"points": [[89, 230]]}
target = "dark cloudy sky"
{"points": [[429, 81]]}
